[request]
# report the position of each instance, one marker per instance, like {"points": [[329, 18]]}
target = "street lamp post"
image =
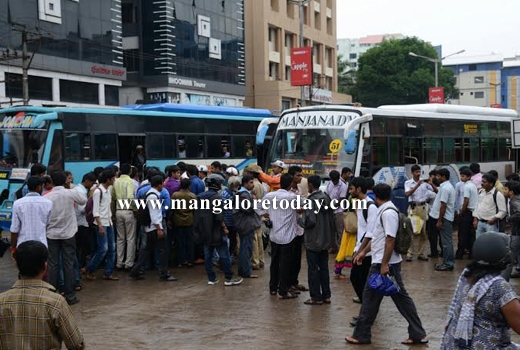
{"points": [[436, 61], [300, 4]]}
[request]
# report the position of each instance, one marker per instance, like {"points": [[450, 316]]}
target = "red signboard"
{"points": [[496, 105], [436, 95], [301, 66]]}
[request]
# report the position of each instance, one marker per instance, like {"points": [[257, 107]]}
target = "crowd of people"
{"points": [[66, 232]]}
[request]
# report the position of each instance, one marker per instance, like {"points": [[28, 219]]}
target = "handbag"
{"points": [[385, 285], [350, 222], [417, 223]]}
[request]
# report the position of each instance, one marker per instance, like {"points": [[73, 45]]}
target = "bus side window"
{"points": [[56, 156]]}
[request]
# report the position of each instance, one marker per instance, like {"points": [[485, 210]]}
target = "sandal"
{"points": [[415, 342], [78, 288], [313, 302], [340, 277], [326, 301], [251, 276], [301, 288], [110, 278], [289, 295], [352, 340]]}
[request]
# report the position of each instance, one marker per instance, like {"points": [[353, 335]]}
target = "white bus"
{"points": [[385, 142]]}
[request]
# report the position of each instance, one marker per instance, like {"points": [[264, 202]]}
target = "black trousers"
{"points": [[83, 244], [297, 260], [372, 301], [318, 274], [152, 242], [281, 267], [359, 276], [434, 237], [466, 233]]}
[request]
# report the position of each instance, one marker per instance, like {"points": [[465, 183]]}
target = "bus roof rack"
{"points": [[456, 109]]}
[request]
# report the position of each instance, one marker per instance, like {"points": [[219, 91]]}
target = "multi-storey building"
{"points": [[352, 49], [77, 48], [272, 30], [184, 51]]}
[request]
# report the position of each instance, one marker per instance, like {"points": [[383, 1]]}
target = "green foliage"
{"points": [[389, 75], [345, 79]]}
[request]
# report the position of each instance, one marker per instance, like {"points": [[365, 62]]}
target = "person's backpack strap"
{"points": [[381, 216], [365, 211]]}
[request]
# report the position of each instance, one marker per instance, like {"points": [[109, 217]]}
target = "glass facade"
{"points": [[202, 39], [90, 30]]}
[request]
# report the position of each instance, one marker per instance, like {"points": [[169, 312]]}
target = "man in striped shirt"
{"points": [[32, 314]]}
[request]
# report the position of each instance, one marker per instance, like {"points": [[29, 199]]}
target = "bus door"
{"points": [[128, 148]]}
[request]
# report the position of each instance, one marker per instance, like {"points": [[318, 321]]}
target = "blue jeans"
{"points": [[446, 233], [184, 244], [514, 245], [223, 252], [77, 273], [106, 246], [484, 227], [244, 254]]}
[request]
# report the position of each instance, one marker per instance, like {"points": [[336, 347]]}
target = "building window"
{"points": [[353, 65], [289, 43], [352, 56], [131, 59], [111, 95], [275, 5], [329, 26], [472, 67], [39, 88], [479, 80], [79, 92], [479, 94], [273, 39], [306, 14], [286, 104], [317, 20], [273, 71], [288, 73], [291, 6]]}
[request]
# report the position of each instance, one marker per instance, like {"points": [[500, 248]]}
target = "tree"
{"points": [[389, 75], [345, 77]]}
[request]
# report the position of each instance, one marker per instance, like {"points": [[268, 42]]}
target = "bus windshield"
{"points": [[21, 148], [316, 151]]}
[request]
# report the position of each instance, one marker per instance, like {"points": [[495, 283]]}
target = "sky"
{"points": [[480, 27]]}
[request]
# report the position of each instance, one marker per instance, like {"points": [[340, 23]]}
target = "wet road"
{"points": [[189, 314]]}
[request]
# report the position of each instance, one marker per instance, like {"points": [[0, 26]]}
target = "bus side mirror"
{"points": [[351, 142], [260, 136]]}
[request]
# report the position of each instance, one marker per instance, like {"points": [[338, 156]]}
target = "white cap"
{"points": [[203, 168], [185, 176], [232, 171], [139, 147], [280, 164]]}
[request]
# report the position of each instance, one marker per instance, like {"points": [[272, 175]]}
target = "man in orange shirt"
{"points": [[273, 180]]}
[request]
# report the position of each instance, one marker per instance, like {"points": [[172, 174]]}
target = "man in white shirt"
{"points": [[491, 207], [443, 211], [60, 233], [85, 233], [358, 276], [104, 228], [282, 234], [386, 261], [418, 193], [337, 190], [31, 215], [466, 234], [155, 235]]}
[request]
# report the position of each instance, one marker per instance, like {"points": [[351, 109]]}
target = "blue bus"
{"points": [[80, 139]]}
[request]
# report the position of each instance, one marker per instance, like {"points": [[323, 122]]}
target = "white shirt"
{"points": [[63, 223], [421, 194], [284, 220], [299, 230], [487, 209], [101, 206], [80, 209], [31, 215], [389, 227], [365, 226], [337, 192], [155, 213], [470, 191], [446, 195]]}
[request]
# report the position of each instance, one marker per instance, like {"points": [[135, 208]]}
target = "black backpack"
{"points": [[501, 222], [143, 214], [404, 236]]}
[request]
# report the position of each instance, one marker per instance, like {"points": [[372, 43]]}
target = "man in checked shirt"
{"points": [[32, 314]]}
